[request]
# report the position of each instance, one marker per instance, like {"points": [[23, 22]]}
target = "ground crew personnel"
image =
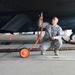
{"points": [[52, 37]]}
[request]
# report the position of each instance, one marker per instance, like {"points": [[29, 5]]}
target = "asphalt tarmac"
{"points": [[12, 64]]}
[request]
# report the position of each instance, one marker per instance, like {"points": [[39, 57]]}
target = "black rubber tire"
{"points": [[71, 37]]}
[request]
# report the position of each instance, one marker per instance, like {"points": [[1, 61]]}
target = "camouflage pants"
{"points": [[50, 44]]}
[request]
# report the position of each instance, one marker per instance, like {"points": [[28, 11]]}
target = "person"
{"points": [[52, 37]]}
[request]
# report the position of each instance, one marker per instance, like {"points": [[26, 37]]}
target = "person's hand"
{"points": [[52, 38]]}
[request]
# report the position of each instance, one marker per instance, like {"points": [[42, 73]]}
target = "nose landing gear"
{"points": [[72, 38]]}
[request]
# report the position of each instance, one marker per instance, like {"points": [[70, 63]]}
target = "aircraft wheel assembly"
{"points": [[24, 53], [72, 37]]}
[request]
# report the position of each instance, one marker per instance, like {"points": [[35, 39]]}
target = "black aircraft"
{"points": [[22, 15]]}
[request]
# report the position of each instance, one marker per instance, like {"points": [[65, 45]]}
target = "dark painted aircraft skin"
{"points": [[66, 22]]}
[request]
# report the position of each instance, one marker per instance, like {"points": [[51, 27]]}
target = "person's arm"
{"points": [[44, 24], [60, 33]]}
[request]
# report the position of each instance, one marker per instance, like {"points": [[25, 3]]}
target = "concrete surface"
{"points": [[11, 46], [36, 64]]}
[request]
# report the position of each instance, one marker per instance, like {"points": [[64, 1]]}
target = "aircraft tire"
{"points": [[72, 37]]}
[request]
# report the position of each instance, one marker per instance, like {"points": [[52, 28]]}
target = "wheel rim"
{"points": [[24, 53], [73, 37]]}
